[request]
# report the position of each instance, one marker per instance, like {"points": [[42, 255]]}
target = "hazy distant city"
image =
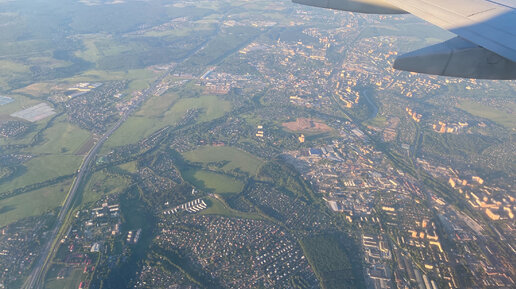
{"points": [[245, 144]]}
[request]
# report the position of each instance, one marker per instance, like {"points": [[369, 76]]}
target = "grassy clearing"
{"points": [[212, 107], [216, 206], [158, 106], [38, 89], [62, 138], [134, 129], [166, 110], [43, 168], [232, 158], [72, 280], [138, 85], [378, 121], [103, 183], [32, 203], [92, 42], [213, 182], [131, 167], [504, 118]]}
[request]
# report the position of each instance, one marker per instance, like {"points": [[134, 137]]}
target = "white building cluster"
{"points": [[191, 207]]}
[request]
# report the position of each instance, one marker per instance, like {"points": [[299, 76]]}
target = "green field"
{"points": [[504, 118], [71, 281], [53, 157], [212, 182], [158, 106], [32, 203], [216, 206], [131, 167], [212, 106], [62, 138], [329, 261], [232, 158], [133, 129], [99, 45], [378, 121], [43, 168], [165, 110], [103, 183], [37, 89]]}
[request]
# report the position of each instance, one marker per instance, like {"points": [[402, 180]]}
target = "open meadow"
{"points": [[71, 279], [41, 169], [62, 138], [212, 182], [103, 183], [33, 203], [164, 110], [217, 206], [506, 118], [233, 158]]}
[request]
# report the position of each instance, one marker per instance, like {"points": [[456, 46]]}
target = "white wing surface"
{"points": [[486, 29]]}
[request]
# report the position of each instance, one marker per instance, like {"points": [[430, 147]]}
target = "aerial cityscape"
{"points": [[245, 144]]}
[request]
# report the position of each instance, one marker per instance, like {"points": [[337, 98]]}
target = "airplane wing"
{"points": [[485, 46]]}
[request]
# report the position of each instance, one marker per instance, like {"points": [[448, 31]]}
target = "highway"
{"points": [[36, 279]]}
